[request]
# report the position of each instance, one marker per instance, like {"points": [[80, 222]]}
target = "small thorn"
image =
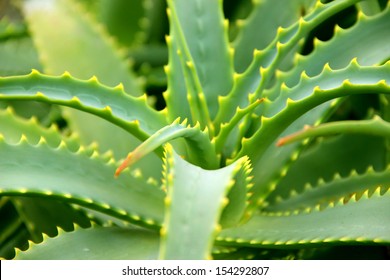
{"points": [[66, 74], [34, 72]]}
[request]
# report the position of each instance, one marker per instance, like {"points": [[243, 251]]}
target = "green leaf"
{"points": [[260, 28], [203, 44], [370, 7], [236, 211], [13, 128], [194, 202], [44, 215], [328, 79], [376, 126], [176, 94], [269, 60], [200, 150], [78, 177], [195, 95], [40, 215], [112, 104], [367, 41], [333, 190], [88, 50], [295, 108], [79, 45], [363, 220], [322, 160], [228, 128], [97, 243]]}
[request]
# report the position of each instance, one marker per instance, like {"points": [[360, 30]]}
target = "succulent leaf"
{"points": [[237, 181], [339, 222], [254, 34], [268, 61], [367, 41], [376, 126], [81, 32], [60, 174], [333, 190], [12, 127], [200, 150], [285, 114], [80, 46], [194, 202], [204, 53], [324, 158], [91, 244], [113, 104]]}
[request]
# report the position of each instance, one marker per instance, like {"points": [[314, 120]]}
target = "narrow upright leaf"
{"points": [[205, 36]]}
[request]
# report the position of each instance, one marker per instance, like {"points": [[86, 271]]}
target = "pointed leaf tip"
{"points": [[126, 163], [292, 137]]}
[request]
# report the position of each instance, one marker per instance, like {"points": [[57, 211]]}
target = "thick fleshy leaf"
{"points": [[194, 202], [200, 151], [87, 51], [362, 219], [44, 215], [304, 104], [112, 104], [260, 28], [79, 45], [12, 127], [203, 49], [236, 211], [376, 126], [336, 188], [368, 41], [93, 244], [269, 60], [176, 94], [321, 161], [78, 177], [37, 216]]}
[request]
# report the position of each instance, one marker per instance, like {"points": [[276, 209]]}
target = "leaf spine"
{"points": [[93, 80], [119, 87], [66, 75], [35, 72]]}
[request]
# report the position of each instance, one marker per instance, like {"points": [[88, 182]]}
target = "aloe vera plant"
{"points": [[264, 143]]}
